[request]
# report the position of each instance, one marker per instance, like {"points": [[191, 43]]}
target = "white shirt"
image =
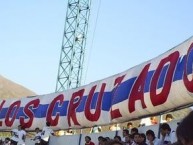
{"points": [[115, 128], [156, 141], [96, 129], [145, 122], [37, 137], [123, 139], [46, 132], [21, 134], [171, 137], [15, 135]]}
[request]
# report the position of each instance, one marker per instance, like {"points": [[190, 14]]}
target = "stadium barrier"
{"points": [[79, 139]]}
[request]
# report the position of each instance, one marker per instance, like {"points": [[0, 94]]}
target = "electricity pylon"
{"points": [[73, 45]]}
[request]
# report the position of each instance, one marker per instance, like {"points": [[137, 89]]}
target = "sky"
{"points": [[121, 35]]}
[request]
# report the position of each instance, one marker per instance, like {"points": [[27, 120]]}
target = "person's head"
{"points": [[115, 142], [104, 141], [165, 129], [118, 138], [37, 130], [100, 138], [134, 130], [129, 125], [153, 120], [19, 127], [169, 117], [150, 135], [128, 138], [142, 138], [108, 138], [125, 132], [136, 138], [184, 130], [87, 139], [7, 140]]}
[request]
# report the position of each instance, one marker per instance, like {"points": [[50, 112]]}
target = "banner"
{"points": [[158, 85]]}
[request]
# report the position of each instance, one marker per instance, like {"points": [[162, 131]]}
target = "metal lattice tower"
{"points": [[73, 45]]}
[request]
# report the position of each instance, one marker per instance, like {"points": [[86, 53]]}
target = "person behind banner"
{"points": [[22, 135], [88, 141], [169, 118], [152, 139], [168, 136], [95, 129], [14, 136], [125, 133], [115, 127], [136, 139], [142, 139], [37, 137], [129, 125], [7, 141], [45, 134], [115, 142]]}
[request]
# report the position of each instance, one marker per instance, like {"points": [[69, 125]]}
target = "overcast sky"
{"points": [[127, 33]]}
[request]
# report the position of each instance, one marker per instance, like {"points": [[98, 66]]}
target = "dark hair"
{"points": [[118, 137], [126, 131], [129, 123], [100, 137], [115, 142], [108, 138], [134, 130], [150, 132], [8, 139], [88, 137], [37, 128], [48, 123], [185, 128], [133, 135], [165, 126], [169, 116], [143, 136]]}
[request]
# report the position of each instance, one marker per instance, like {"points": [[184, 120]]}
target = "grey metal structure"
{"points": [[73, 45]]}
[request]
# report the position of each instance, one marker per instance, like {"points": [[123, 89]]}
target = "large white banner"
{"points": [[158, 85]]}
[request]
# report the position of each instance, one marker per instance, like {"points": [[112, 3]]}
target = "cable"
{"points": [[92, 41]]}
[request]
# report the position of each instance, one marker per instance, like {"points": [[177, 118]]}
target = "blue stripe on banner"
{"points": [[190, 62], [121, 93], [148, 81], [3, 112], [178, 73]]}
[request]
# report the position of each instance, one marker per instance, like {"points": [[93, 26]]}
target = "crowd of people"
{"points": [[136, 138], [130, 136]]}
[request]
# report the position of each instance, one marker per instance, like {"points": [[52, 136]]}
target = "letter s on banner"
{"points": [[189, 65], [29, 113], [158, 99], [15, 105]]}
